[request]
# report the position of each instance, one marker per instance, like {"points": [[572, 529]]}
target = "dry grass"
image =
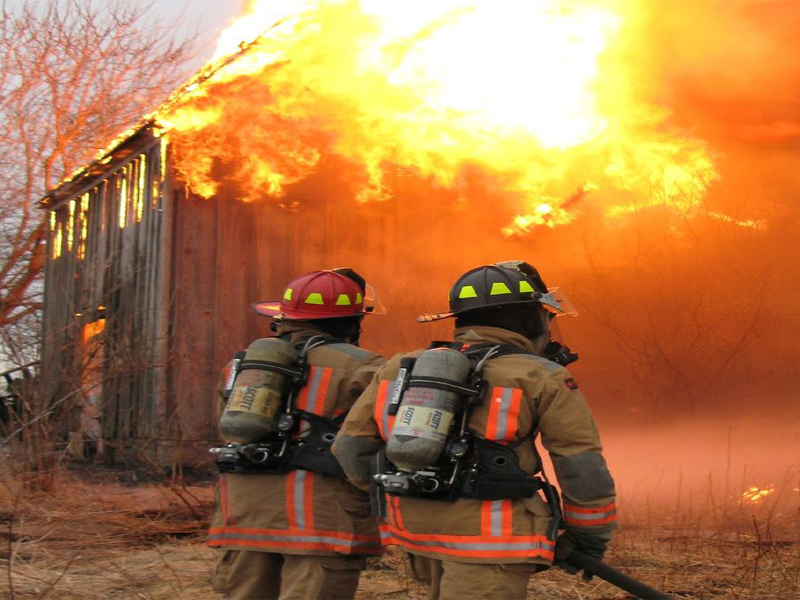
{"points": [[94, 539]]}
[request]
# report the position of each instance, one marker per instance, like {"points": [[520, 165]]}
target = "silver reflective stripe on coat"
{"points": [[313, 389], [497, 518], [294, 537], [502, 415], [299, 493]]}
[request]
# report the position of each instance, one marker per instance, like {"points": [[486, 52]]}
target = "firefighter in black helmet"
{"points": [[527, 304], [482, 541]]}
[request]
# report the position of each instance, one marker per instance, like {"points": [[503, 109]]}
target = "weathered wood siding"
{"points": [[103, 266], [177, 275]]}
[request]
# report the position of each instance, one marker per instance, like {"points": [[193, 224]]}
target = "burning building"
{"points": [[408, 146]]}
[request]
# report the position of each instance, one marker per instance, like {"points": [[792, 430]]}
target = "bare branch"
{"points": [[72, 76]]}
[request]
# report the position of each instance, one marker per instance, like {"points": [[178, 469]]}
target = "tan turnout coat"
{"points": [[303, 512], [527, 396]]}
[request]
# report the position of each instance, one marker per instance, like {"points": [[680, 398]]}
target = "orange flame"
{"points": [[539, 96]]}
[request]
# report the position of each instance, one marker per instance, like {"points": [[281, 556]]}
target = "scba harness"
{"points": [[470, 466], [302, 440]]}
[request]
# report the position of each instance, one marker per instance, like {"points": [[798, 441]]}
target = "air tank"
{"points": [[426, 414], [256, 398]]}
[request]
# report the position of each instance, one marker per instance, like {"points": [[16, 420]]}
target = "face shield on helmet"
{"points": [[372, 304], [556, 302]]}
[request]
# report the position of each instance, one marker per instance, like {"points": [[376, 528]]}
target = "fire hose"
{"points": [[614, 577]]}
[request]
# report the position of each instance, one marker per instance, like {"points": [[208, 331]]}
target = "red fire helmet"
{"points": [[318, 295]]}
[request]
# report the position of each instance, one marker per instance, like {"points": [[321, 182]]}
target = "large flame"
{"points": [[538, 97]]}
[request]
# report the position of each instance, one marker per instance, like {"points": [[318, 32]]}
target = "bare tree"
{"points": [[73, 74], [685, 303]]}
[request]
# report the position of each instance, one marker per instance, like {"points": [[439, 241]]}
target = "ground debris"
{"points": [[103, 540]]}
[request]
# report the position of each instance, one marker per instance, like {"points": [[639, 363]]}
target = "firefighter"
{"points": [[480, 530], [300, 533]]}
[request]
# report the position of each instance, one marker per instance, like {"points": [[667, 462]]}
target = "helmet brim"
{"points": [[428, 318], [272, 309], [551, 305]]}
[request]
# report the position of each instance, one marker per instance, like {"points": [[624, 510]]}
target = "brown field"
{"points": [[96, 537]]}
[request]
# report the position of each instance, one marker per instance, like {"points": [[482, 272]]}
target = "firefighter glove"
{"points": [[593, 545]]}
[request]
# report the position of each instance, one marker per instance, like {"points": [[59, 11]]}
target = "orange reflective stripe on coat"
{"points": [[300, 499], [225, 500], [502, 546], [288, 539], [496, 518], [312, 396], [384, 420], [393, 511], [301, 533], [504, 407], [584, 516]]}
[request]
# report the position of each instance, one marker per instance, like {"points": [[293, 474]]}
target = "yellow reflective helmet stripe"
{"points": [[499, 288], [314, 298], [467, 292], [524, 287], [359, 298], [343, 300], [287, 295]]}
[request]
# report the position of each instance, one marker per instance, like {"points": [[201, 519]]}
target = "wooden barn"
{"points": [[148, 288]]}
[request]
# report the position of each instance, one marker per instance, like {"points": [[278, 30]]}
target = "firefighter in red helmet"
{"points": [[290, 524], [446, 437]]}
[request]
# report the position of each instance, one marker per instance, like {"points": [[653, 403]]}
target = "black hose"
{"points": [[614, 577]]}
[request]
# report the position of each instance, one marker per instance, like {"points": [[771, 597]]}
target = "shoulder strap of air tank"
{"points": [[242, 364], [316, 340], [479, 350]]}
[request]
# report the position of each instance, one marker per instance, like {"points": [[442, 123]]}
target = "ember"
{"points": [[755, 495]]}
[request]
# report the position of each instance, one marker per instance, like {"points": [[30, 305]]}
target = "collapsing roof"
{"points": [[131, 140]]}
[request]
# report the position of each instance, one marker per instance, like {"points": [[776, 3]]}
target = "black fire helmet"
{"points": [[509, 282]]}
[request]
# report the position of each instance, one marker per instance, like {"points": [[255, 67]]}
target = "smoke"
{"points": [[731, 69]]}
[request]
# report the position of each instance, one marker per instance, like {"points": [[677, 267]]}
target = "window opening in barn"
{"points": [[122, 188], [141, 188], [163, 156], [57, 240], [71, 225], [84, 226], [85, 438], [134, 182], [132, 190], [155, 185], [101, 198]]}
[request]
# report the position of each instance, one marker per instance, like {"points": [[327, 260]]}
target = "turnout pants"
{"points": [[244, 575], [449, 580]]}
